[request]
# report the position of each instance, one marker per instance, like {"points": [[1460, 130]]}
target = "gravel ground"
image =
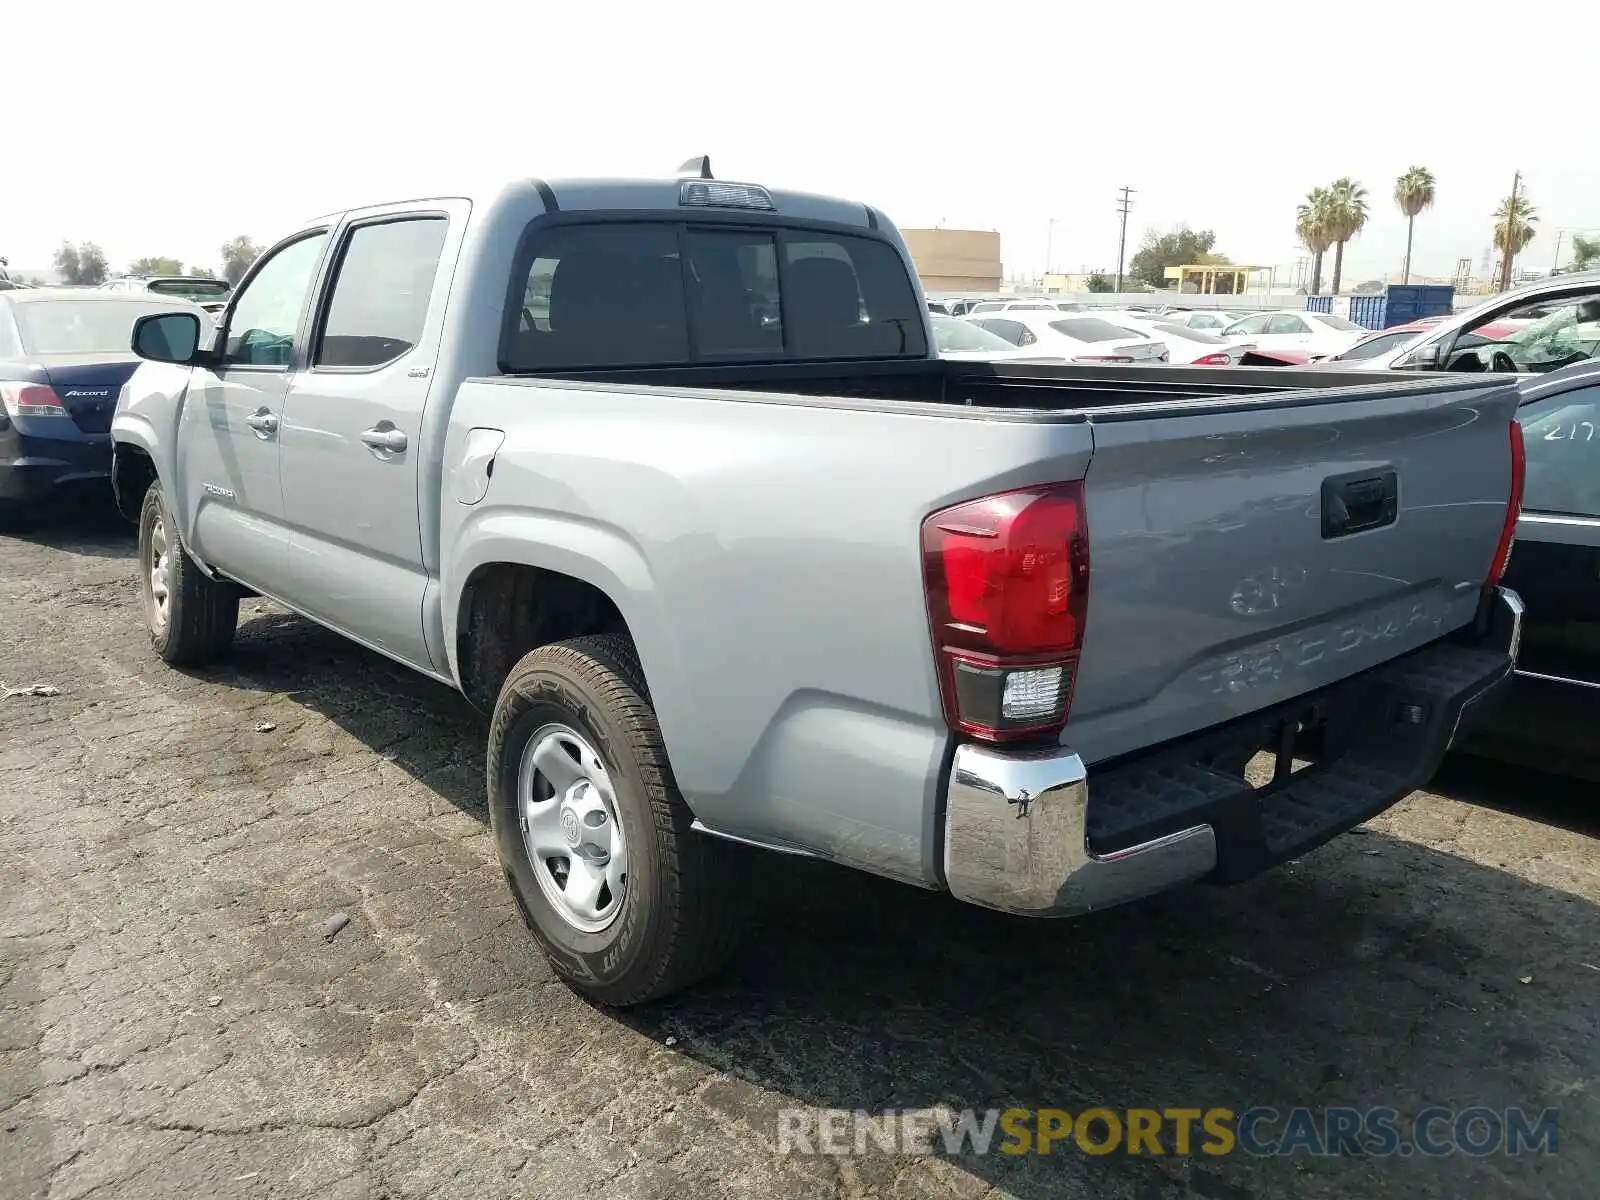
{"points": [[173, 1021]]}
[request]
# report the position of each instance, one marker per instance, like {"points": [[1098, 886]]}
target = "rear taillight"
{"points": [[1121, 358], [1508, 531], [31, 400], [1007, 578], [1213, 360]]}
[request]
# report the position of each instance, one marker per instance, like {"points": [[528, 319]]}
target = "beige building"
{"points": [[956, 260]]}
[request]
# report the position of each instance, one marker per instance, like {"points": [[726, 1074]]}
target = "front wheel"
{"points": [[191, 618], [627, 901]]}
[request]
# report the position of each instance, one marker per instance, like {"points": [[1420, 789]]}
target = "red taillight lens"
{"points": [[31, 400], [1213, 360], [1007, 578], [1508, 532]]}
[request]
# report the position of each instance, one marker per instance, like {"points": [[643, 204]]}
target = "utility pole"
{"points": [[1049, 245], [1511, 230], [1556, 261], [1124, 203]]}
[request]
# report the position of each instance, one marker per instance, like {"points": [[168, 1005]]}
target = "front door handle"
{"points": [[384, 436], [265, 423]]}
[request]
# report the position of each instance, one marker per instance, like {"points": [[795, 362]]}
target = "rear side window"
{"points": [[1091, 329], [380, 293]]}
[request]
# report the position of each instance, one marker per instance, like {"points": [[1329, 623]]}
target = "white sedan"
{"points": [[1320, 335], [1192, 347], [1207, 320], [965, 340], [1081, 338]]}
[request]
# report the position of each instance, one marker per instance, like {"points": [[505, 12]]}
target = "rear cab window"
{"points": [[660, 293]]}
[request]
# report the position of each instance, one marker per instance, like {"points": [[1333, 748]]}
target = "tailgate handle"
{"points": [[1358, 501]]}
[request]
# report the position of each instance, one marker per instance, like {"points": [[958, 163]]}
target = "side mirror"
{"points": [[1423, 358], [167, 337]]}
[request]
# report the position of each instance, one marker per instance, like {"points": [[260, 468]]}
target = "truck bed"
{"points": [[1042, 387]]}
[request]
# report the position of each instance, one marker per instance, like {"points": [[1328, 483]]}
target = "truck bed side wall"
{"points": [[766, 558]]}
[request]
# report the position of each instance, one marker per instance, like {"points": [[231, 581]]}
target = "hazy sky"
{"points": [[165, 127]]}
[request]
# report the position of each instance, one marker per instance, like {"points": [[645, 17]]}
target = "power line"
{"points": [[1124, 203]]}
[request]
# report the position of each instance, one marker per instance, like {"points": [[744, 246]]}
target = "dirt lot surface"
{"points": [[173, 1021]]}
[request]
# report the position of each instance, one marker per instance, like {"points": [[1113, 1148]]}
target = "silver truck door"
{"points": [[232, 420], [352, 433]]}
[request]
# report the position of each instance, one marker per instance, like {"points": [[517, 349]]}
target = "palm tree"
{"points": [[1512, 236], [1311, 226], [1347, 216], [1585, 252], [1413, 192]]}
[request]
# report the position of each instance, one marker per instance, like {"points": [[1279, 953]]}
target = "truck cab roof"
{"points": [[641, 195]]}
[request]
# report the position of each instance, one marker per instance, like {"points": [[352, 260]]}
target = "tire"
{"points": [[676, 919], [197, 622]]}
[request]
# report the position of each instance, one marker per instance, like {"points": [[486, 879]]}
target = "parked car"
{"points": [[1184, 345], [1556, 561], [1079, 337], [1383, 343], [1321, 335], [964, 340], [1206, 320], [1468, 341], [1548, 719], [64, 357], [210, 294], [813, 588]]}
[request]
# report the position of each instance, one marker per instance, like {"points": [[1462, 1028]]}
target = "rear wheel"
{"points": [[191, 618], [627, 901]]}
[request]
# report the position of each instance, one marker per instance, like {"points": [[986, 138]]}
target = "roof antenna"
{"points": [[696, 168]]}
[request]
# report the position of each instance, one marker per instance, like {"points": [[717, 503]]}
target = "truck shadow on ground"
{"points": [[1374, 972]]}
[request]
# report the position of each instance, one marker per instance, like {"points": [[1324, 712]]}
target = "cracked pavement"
{"points": [[174, 1023]]}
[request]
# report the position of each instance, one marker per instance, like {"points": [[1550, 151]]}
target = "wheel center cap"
{"points": [[569, 827]]}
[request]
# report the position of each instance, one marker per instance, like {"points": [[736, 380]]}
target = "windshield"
{"points": [[951, 334], [1338, 323], [1566, 334], [1191, 335], [79, 327], [1374, 346], [1091, 329], [190, 289]]}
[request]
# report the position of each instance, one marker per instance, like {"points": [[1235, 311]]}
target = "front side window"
{"points": [[266, 311], [1373, 346], [1563, 449], [654, 294], [381, 292]]}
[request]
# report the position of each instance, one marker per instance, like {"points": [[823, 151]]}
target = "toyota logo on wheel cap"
{"points": [[569, 827]]}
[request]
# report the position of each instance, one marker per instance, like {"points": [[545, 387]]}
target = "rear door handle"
{"points": [[385, 437], [265, 423]]}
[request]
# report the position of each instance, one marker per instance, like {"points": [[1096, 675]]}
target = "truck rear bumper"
{"points": [[1025, 832]]}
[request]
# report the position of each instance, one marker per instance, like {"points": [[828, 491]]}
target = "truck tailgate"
{"points": [[1248, 554]]}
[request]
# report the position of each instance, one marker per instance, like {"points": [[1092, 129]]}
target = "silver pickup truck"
{"points": [[667, 477]]}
